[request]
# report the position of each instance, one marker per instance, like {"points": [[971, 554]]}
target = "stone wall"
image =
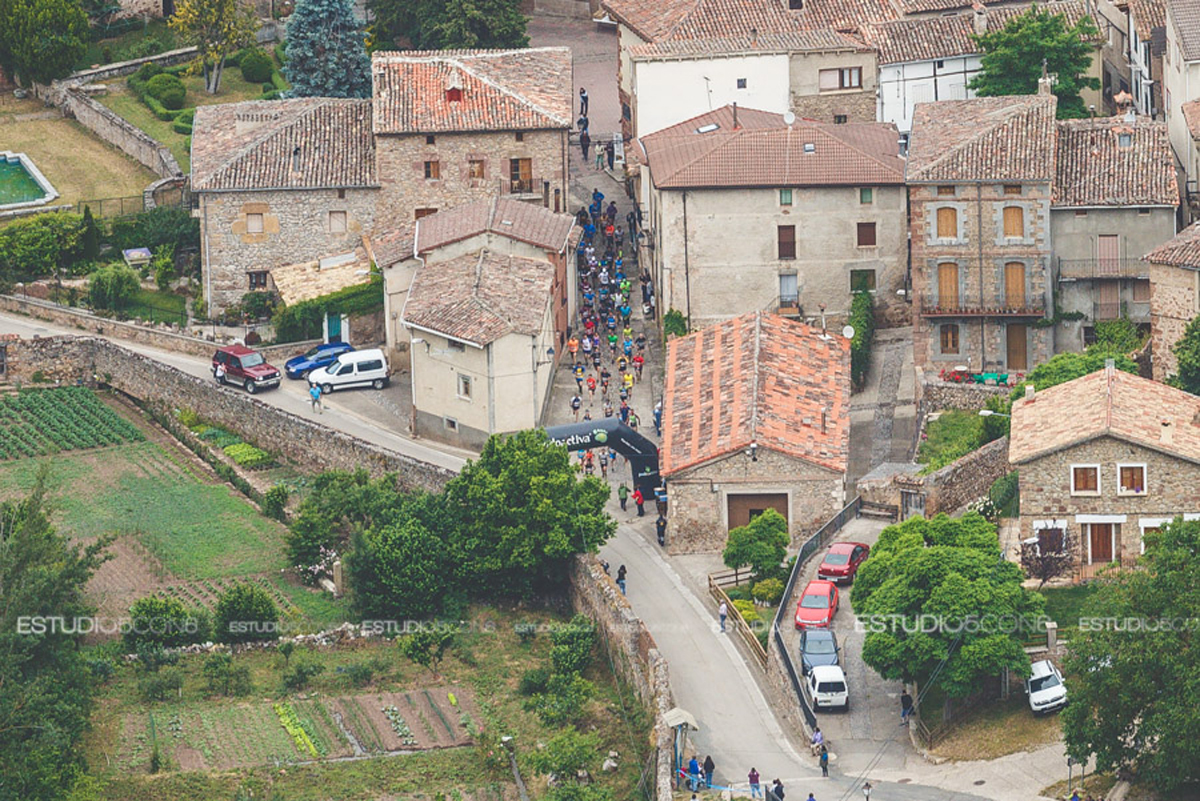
{"points": [[139, 8], [60, 360], [1173, 304], [633, 651], [53, 93], [117, 131], [957, 484], [935, 395]]}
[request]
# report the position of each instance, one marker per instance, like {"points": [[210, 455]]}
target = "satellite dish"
{"points": [[848, 332], [788, 117]]}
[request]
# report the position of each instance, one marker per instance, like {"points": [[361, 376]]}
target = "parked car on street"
{"points": [[1045, 688], [244, 367], [320, 356], [817, 647], [358, 368], [827, 688], [817, 604], [842, 561]]}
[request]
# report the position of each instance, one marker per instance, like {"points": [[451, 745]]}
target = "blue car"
{"points": [[320, 356]]}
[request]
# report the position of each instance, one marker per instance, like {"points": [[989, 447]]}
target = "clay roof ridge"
{"points": [[505, 90], [754, 399], [1009, 114], [268, 131]]}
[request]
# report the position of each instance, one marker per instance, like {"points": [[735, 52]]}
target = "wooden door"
{"points": [[1101, 541], [1109, 262], [744, 508], [1017, 354], [1014, 285], [947, 286]]}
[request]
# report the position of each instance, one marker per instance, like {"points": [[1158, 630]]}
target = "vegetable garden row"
{"points": [[42, 421]]}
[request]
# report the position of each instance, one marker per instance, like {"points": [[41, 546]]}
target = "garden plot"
{"points": [[413, 720], [40, 422]]}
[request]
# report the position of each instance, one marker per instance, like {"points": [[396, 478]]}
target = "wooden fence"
{"points": [[717, 582]]}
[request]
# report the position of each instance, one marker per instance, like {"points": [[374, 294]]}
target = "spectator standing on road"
{"points": [[658, 418], [621, 578], [585, 143], [583, 101], [723, 613], [219, 373], [660, 527], [824, 761], [582, 122], [709, 767], [818, 741], [610, 153], [599, 157], [640, 501], [810, 797], [314, 395], [777, 790], [622, 493], [694, 773], [906, 707], [755, 787]]}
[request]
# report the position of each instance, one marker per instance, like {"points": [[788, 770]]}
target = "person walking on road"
{"points": [[709, 767], [824, 760], [622, 495], [583, 102], [599, 157], [610, 154], [777, 790], [755, 787], [640, 501], [576, 402], [314, 396], [694, 773], [585, 143], [621, 578], [723, 613], [660, 527], [906, 707], [818, 741]]}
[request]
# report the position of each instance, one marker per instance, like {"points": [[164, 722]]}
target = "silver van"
{"points": [[358, 368]]}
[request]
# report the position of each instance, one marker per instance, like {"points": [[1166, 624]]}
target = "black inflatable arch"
{"points": [[610, 432]]}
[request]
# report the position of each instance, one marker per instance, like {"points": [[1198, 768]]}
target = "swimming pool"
{"points": [[21, 183]]}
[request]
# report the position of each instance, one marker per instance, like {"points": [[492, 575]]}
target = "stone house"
{"points": [[1174, 296], [1181, 97], [1147, 44], [296, 283], [1115, 199], [818, 210], [980, 175], [756, 415], [1104, 459], [292, 181]]}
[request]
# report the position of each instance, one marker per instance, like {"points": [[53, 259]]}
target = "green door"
{"points": [[333, 328]]}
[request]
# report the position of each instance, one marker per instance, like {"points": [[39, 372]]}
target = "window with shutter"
{"points": [[949, 338], [1014, 285], [947, 286], [787, 241], [866, 234], [1014, 222], [947, 223]]}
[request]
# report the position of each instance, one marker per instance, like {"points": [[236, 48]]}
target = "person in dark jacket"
{"points": [[585, 142], [709, 767]]}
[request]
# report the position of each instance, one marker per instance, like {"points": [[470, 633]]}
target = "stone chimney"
{"points": [[1029, 391], [979, 19], [1046, 85]]}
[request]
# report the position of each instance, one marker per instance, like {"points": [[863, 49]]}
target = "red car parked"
{"points": [[244, 367], [817, 604], [842, 561]]}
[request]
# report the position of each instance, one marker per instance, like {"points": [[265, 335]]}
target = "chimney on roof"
{"points": [[980, 18], [296, 158], [735, 119], [453, 88], [1131, 116], [1168, 433], [1110, 366], [754, 37], [1046, 82], [1029, 390]]}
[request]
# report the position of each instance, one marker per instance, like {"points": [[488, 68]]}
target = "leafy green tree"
{"points": [[40, 245], [563, 757], [573, 644], [45, 38], [112, 287], [1129, 685], [448, 24], [225, 677], [165, 621], [217, 28], [761, 544], [520, 512], [427, 645], [245, 612], [1187, 356], [45, 684], [564, 700], [1013, 58], [89, 236], [326, 52], [410, 567], [948, 571]]}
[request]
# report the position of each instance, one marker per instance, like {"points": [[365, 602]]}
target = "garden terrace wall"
{"points": [[117, 131], [633, 651], [54, 91], [935, 395], [959, 483]]}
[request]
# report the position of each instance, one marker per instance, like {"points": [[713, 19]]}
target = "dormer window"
{"points": [[1124, 140], [453, 94]]}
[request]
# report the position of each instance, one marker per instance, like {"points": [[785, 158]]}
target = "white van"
{"points": [[1045, 688], [358, 368], [827, 688]]}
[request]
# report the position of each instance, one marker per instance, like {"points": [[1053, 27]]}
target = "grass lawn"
{"points": [[1064, 605], [158, 306], [998, 729], [951, 436], [79, 165], [233, 89]]}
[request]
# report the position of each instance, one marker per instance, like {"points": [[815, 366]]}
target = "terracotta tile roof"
{"points": [[525, 222], [1182, 251], [1116, 404], [480, 297], [662, 20], [756, 378], [1191, 115], [502, 90], [790, 42], [305, 143], [1094, 170], [1148, 15], [308, 280], [391, 247], [1186, 14], [765, 151], [986, 138]]}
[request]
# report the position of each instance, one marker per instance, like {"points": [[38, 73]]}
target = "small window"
{"points": [[431, 139], [341, 194], [785, 197], [840, 119], [1085, 479], [741, 83], [866, 234], [1142, 210], [845, 78], [1141, 290], [451, 423], [862, 280], [947, 223], [1012, 189], [1080, 212], [419, 213], [787, 241], [464, 386], [454, 95], [455, 345], [866, 196], [520, 135], [433, 170], [475, 169], [520, 174], [1014, 222], [373, 364], [626, 111], [796, 5], [258, 279], [949, 338], [337, 222], [1131, 479], [945, 191], [1124, 140], [254, 223]]}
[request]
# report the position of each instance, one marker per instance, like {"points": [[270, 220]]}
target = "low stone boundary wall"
{"points": [[118, 69], [634, 653], [935, 395], [119, 132]]}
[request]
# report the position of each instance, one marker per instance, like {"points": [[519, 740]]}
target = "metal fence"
{"points": [[112, 207], [816, 542]]}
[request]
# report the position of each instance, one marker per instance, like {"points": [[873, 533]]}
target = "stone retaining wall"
{"points": [[934, 395], [963, 481], [633, 651], [119, 132]]}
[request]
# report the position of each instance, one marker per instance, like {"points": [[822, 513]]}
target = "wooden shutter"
{"points": [[947, 286], [1018, 358], [947, 223], [1014, 285], [1110, 255], [787, 241], [1014, 222]]}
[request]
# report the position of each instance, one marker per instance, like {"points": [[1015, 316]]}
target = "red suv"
{"points": [[245, 367]]}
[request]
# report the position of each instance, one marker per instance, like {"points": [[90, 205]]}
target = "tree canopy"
{"points": [[938, 590], [760, 545], [448, 24], [42, 39], [217, 28], [326, 51], [1129, 684], [1013, 58], [1187, 355]]}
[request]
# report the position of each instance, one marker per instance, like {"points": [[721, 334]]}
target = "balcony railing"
{"points": [[1027, 307], [789, 306], [1138, 310], [1090, 269], [524, 186]]}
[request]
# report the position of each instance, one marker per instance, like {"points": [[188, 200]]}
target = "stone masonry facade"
{"points": [[1172, 488], [982, 255], [1174, 301], [698, 498]]}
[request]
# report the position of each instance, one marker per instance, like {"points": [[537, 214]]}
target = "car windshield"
{"points": [[1043, 683], [333, 366], [831, 687], [819, 646], [837, 558], [815, 602], [252, 360], [313, 352]]}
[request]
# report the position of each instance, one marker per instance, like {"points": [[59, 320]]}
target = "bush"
{"points": [[188, 417], [675, 323], [275, 502], [224, 678], [279, 82], [159, 226], [187, 116], [164, 266], [166, 622], [1005, 494], [862, 318], [111, 287], [747, 610], [573, 645], [181, 127], [257, 66], [360, 674], [533, 682], [309, 534], [158, 686], [245, 613], [246, 455], [168, 90], [259, 305], [38, 245], [147, 71], [151, 656], [1117, 336], [768, 591], [281, 52], [563, 701], [298, 677], [101, 669]]}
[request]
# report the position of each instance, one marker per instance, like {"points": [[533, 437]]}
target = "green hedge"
{"points": [[281, 54], [35, 246], [305, 320], [181, 127], [279, 81], [862, 318]]}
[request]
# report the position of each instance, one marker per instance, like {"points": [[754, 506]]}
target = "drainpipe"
{"points": [[687, 280], [979, 247], [207, 261], [491, 368]]}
